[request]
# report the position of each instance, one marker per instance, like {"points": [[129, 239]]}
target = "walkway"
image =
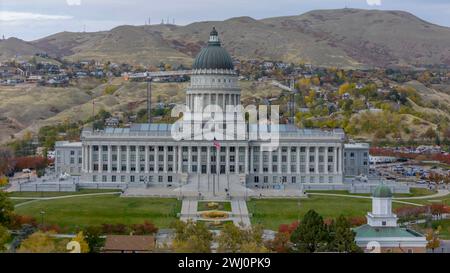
{"points": [[36, 199], [240, 213], [189, 210]]}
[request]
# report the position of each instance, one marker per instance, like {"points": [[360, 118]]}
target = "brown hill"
{"points": [[344, 37], [16, 48]]}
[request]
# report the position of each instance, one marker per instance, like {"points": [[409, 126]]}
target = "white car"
{"points": [[64, 176], [26, 171], [362, 178]]}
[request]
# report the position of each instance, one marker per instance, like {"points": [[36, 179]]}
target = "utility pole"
{"points": [[149, 100], [93, 113]]}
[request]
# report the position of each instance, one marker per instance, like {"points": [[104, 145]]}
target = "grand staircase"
{"points": [[212, 186]]}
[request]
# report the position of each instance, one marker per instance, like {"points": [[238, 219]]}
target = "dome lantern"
{"points": [[213, 56]]}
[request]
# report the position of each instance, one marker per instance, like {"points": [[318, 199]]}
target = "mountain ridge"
{"points": [[339, 37]]}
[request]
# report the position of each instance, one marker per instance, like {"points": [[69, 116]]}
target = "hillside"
{"points": [[16, 48], [344, 37], [27, 108]]}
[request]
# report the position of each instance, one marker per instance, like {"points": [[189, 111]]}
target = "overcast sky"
{"points": [[32, 19]]}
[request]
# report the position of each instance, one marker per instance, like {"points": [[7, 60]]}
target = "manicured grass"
{"points": [[55, 194], [19, 201], [95, 210], [440, 200], [223, 206], [445, 228], [213, 226], [273, 212]]}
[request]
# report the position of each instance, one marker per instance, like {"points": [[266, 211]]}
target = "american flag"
{"points": [[216, 144]]}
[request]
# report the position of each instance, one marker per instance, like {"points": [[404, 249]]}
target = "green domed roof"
{"points": [[214, 56], [382, 191]]}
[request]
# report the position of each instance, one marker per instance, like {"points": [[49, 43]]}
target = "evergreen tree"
{"points": [[6, 209], [311, 234], [342, 238], [92, 237]]}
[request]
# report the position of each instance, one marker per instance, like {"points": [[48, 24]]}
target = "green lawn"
{"points": [[445, 228], [55, 194], [273, 212], [19, 201], [95, 210], [216, 226], [223, 206]]}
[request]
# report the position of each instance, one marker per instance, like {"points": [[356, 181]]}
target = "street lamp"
{"points": [[42, 217]]}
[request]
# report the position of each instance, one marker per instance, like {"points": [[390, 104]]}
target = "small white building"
{"points": [[382, 231], [356, 159], [68, 157]]}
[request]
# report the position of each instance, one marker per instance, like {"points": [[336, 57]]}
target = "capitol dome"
{"points": [[214, 56]]}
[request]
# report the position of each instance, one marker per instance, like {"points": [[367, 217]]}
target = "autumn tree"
{"points": [[38, 242], [235, 239], [80, 238], [281, 243], [144, 229], [191, 237], [432, 237], [311, 233], [346, 88]]}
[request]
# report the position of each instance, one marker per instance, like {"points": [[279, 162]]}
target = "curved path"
{"points": [[440, 193], [36, 199]]}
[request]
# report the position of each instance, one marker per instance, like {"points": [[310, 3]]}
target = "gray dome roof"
{"points": [[382, 191], [214, 56]]}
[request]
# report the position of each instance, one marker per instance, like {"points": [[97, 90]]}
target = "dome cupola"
{"points": [[382, 191], [213, 56]]}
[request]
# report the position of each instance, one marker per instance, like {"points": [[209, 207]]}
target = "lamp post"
{"points": [[42, 217]]}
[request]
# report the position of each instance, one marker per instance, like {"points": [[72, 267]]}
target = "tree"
{"points": [[92, 236], [84, 246], [311, 233], [7, 162], [6, 209], [342, 238], [4, 237], [144, 229], [191, 237], [433, 241], [235, 239], [38, 242], [281, 242], [346, 88]]}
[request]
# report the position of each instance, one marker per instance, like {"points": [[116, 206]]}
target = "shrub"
{"points": [[117, 229], [17, 221], [4, 181], [147, 228]]}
